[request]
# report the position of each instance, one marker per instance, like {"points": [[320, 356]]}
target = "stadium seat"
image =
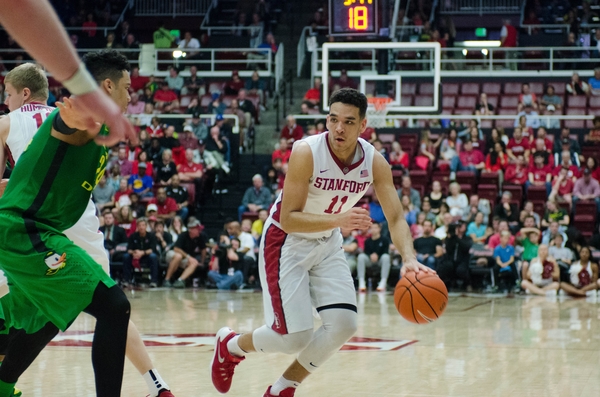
{"points": [[575, 123], [386, 137], [450, 89], [191, 189], [448, 101], [559, 87], [516, 191], [250, 215], [466, 102], [486, 123], [466, 189], [506, 123], [537, 193], [509, 102], [205, 100], [537, 88], [464, 111], [227, 99], [493, 100], [578, 101], [423, 100], [594, 102], [406, 100], [216, 86], [491, 89], [489, 178], [512, 88], [585, 207], [397, 177], [419, 178], [466, 178], [185, 100], [442, 176], [469, 89], [585, 224], [489, 192], [591, 151], [539, 207], [426, 89], [408, 88]]}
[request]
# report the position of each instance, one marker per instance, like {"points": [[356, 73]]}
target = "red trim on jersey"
{"points": [[345, 169], [274, 240], [277, 213]]}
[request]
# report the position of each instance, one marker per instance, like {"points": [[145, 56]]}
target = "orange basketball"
{"points": [[421, 298]]}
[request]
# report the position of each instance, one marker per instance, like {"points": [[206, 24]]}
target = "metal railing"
{"points": [[301, 49], [481, 7], [171, 8], [279, 65], [211, 62], [479, 61]]}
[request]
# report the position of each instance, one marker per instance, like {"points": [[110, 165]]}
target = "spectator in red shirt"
{"points": [[543, 134], [467, 160], [292, 131], [154, 130], [562, 188], [539, 149], [517, 174], [398, 158], [138, 82], [282, 153], [509, 38], [122, 195], [165, 99], [142, 157], [518, 146], [497, 160], [539, 175], [572, 169], [592, 164], [494, 240], [166, 206], [189, 171], [233, 86], [313, 95]]}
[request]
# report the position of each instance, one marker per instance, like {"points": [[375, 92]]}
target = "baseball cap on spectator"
{"points": [[193, 222], [235, 73], [550, 108], [215, 96], [152, 207], [196, 115], [201, 142], [188, 128], [219, 117], [565, 141], [142, 165]]}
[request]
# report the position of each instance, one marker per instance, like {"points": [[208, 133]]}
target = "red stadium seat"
{"points": [[408, 88], [423, 100], [578, 101], [250, 215], [205, 100], [489, 178], [466, 102], [516, 191], [442, 176], [591, 151], [491, 89], [450, 89], [559, 87], [508, 123], [228, 98], [448, 102], [493, 100], [216, 86], [466, 189], [426, 89], [509, 101], [585, 224], [469, 89], [512, 88], [466, 178], [464, 111], [537, 193], [595, 102], [537, 88], [386, 137], [486, 123], [191, 189], [406, 100], [586, 207], [489, 192]]}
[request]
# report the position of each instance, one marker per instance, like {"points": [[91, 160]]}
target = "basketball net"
{"points": [[377, 112]]}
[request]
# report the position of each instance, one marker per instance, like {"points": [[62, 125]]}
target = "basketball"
{"points": [[421, 298]]}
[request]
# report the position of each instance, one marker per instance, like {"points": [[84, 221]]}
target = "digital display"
{"points": [[352, 17]]}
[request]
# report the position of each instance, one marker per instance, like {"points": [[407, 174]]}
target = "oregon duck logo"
{"points": [[55, 262]]}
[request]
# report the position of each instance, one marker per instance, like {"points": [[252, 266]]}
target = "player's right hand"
{"points": [[105, 110], [355, 219]]}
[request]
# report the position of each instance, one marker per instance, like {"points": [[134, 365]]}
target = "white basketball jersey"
{"points": [[24, 123], [334, 188]]}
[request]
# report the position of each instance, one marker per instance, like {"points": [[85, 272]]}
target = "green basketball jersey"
{"points": [[52, 181]]}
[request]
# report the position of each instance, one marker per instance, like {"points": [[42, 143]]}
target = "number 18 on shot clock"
{"points": [[353, 17]]}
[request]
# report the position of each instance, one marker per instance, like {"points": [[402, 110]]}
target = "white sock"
{"points": [[282, 384], [155, 382], [234, 348]]}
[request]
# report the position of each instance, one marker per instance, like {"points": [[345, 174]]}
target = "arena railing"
{"points": [[211, 62], [479, 61], [481, 7], [412, 119], [171, 8]]}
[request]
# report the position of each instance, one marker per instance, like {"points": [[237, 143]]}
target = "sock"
{"points": [[155, 382], [234, 348], [6, 389], [282, 384]]}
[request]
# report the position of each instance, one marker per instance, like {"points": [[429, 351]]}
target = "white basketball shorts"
{"points": [[85, 235], [298, 274]]}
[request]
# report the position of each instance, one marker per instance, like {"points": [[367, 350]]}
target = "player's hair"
{"points": [[29, 75], [106, 64], [350, 96]]}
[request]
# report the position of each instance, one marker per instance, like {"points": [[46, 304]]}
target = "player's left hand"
{"points": [[76, 117], [414, 266]]}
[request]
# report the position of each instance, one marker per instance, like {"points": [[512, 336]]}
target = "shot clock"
{"points": [[353, 17]]}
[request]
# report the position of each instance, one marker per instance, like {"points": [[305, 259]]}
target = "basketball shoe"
{"points": [[289, 392], [164, 393], [223, 363]]}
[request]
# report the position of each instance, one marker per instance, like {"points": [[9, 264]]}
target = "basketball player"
{"points": [[27, 89], [35, 26], [301, 261], [53, 280]]}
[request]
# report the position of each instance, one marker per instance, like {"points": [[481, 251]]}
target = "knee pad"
{"points": [[268, 341], [341, 324]]}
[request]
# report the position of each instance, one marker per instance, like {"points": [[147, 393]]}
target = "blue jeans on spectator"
{"points": [[225, 281], [241, 209], [547, 184], [457, 165], [150, 261], [597, 200], [430, 261], [183, 213]]}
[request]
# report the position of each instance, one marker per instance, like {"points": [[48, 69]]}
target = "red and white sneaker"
{"points": [[223, 363], [289, 392]]}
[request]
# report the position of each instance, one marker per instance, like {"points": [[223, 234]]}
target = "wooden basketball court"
{"points": [[482, 346]]}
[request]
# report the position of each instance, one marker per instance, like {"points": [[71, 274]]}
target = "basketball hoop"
{"points": [[377, 112]]}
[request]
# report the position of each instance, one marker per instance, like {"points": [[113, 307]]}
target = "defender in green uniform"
{"points": [[52, 280]]}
